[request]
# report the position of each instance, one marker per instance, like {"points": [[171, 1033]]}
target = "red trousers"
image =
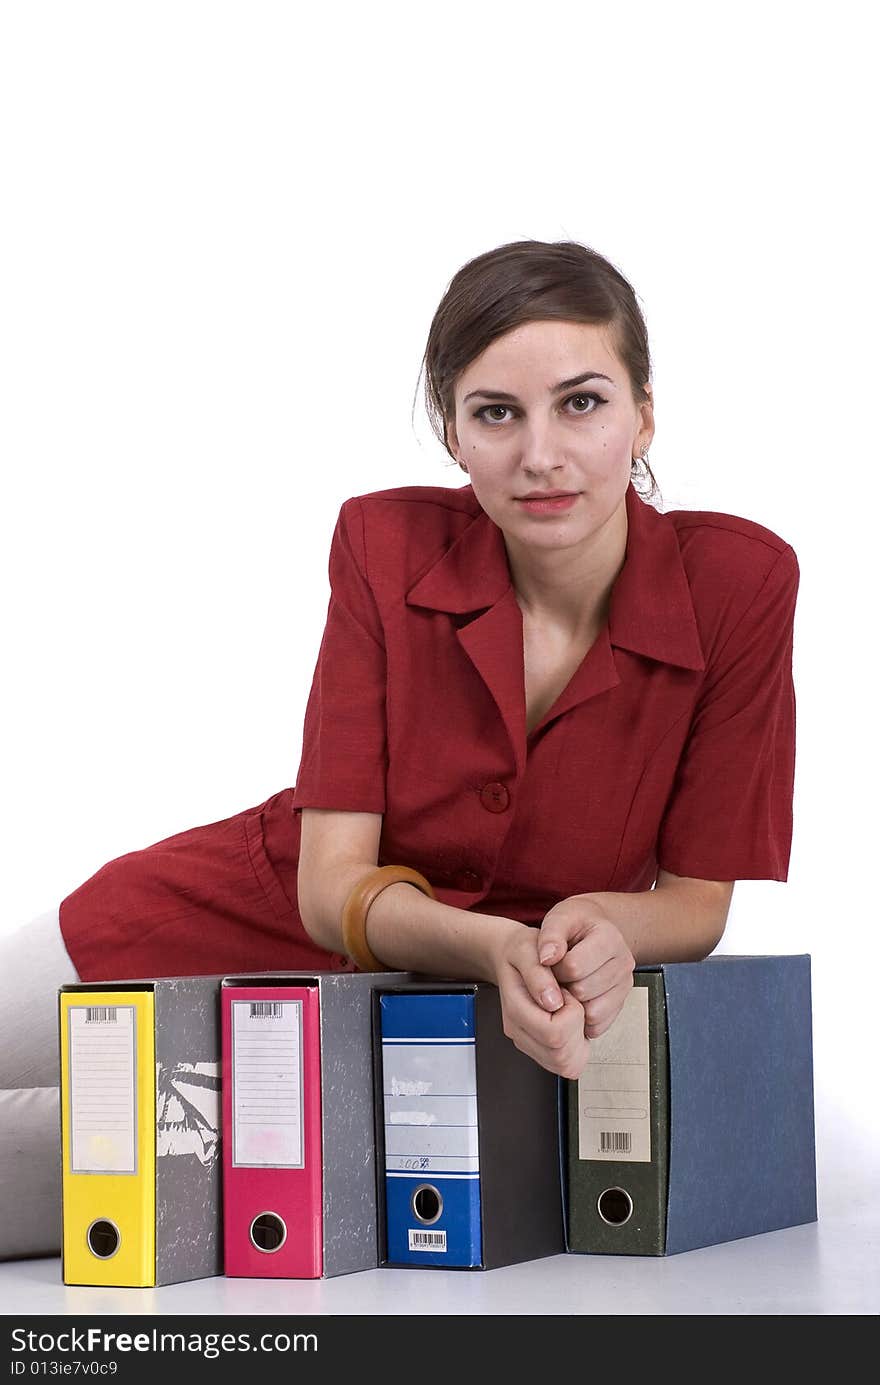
{"points": [[214, 900]]}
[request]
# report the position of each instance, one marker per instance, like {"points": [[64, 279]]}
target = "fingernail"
{"points": [[550, 999], [546, 952]]}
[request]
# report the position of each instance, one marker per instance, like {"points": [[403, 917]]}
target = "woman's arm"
{"points": [[410, 932], [680, 920], [592, 942], [405, 929]]}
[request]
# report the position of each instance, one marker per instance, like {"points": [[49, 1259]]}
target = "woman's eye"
{"points": [[594, 399]]}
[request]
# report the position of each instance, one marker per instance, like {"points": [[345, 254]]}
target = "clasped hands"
{"points": [[564, 983]]}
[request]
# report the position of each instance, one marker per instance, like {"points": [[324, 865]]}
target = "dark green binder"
{"points": [[618, 1206], [715, 1067]]}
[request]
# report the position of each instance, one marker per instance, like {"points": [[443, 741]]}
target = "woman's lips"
{"points": [[549, 506]]}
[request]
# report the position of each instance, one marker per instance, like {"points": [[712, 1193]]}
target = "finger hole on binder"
{"points": [[615, 1206], [268, 1232], [427, 1203], [103, 1238]]}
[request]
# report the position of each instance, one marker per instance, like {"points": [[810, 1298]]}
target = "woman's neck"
{"points": [[569, 590]]}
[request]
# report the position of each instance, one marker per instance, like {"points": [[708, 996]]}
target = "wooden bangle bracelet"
{"points": [[354, 914]]}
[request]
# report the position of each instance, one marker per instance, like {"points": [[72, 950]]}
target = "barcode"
{"points": [[267, 1010], [100, 1014], [427, 1240], [615, 1141]]}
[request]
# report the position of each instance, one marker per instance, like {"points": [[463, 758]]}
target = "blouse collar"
{"points": [[651, 610]]}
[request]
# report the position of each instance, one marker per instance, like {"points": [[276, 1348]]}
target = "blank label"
{"points": [[103, 1081], [614, 1090], [267, 1094], [430, 1091]]}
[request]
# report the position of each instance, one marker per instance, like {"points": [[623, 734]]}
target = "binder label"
{"points": [[430, 1106], [267, 1084], [103, 1083], [614, 1091]]}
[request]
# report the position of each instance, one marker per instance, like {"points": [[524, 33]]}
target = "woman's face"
{"points": [[548, 433]]}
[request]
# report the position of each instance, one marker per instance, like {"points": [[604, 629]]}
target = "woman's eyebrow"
{"points": [[554, 389]]}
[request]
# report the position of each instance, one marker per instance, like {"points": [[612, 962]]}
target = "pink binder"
{"points": [[272, 1160]]}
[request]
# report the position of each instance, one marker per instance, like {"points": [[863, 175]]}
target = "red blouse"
{"points": [[672, 745]]}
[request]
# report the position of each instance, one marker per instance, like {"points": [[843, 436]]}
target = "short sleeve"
{"points": [[344, 754], [729, 816]]}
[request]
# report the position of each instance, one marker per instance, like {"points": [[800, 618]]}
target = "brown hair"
{"points": [[527, 281]]}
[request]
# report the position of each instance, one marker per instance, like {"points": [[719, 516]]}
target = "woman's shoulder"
{"points": [[734, 566], [413, 504], [714, 543], [742, 576], [399, 529]]}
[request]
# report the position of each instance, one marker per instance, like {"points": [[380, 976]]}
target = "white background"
{"points": [[225, 230]]}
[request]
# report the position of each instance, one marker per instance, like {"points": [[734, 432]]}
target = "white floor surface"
{"points": [[828, 1267]]}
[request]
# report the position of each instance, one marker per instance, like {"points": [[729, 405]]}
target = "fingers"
{"points": [[600, 945], [586, 985], [539, 981], [600, 1014], [556, 1041], [555, 935], [602, 992]]}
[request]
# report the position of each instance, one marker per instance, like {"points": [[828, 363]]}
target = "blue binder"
{"points": [[432, 1159]]}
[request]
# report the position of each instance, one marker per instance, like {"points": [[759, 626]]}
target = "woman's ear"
{"points": [[452, 444], [647, 419]]}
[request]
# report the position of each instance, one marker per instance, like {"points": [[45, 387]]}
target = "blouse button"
{"points": [[494, 797]]}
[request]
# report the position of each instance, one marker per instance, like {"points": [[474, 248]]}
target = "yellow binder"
{"points": [[108, 1100], [140, 1125]]}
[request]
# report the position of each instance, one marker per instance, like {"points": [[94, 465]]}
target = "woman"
{"points": [[535, 693]]}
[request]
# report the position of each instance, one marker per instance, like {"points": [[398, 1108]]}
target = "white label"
{"points": [[426, 1240], [103, 1084], [430, 1107], [614, 1091], [267, 1084]]}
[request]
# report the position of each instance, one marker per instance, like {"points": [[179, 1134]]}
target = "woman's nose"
{"points": [[539, 450]]}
